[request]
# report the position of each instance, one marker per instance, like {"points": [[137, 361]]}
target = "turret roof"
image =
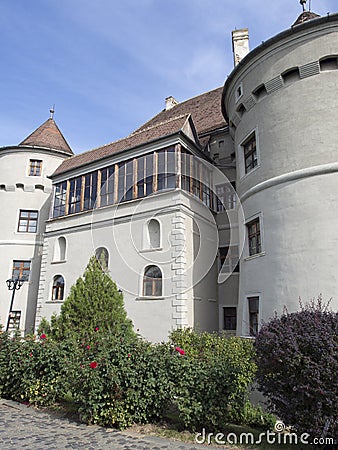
{"points": [[48, 135]]}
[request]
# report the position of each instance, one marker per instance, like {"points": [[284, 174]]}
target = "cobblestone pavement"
{"points": [[22, 427]]}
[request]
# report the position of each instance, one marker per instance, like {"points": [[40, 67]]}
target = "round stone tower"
{"points": [[25, 195], [281, 104]]}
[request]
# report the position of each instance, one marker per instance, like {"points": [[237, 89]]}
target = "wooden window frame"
{"points": [[31, 221], [60, 197], [35, 168], [19, 266], [82, 194], [254, 235], [58, 290], [250, 153], [156, 283]]}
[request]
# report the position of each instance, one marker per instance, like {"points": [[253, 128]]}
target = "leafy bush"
{"points": [[213, 378], [31, 370], [297, 368], [121, 384]]}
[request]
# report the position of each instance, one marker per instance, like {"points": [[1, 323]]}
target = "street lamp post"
{"points": [[13, 285]]}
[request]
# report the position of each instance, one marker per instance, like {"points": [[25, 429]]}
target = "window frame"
{"points": [[22, 269], [231, 254], [163, 169], [35, 168], [30, 220], [253, 314], [226, 196], [250, 153], [244, 169], [233, 317], [58, 288], [156, 291], [254, 235]]}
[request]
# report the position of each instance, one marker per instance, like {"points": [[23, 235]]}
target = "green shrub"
{"points": [[121, 384], [31, 370], [212, 378], [297, 368], [93, 309]]}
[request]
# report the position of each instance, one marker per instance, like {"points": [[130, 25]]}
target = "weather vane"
{"points": [[52, 111]]}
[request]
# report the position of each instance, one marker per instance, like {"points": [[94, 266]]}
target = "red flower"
{"points": [[93, 365], [180, 351], [43, 336], [88, 347], [31, 354], [129, 355], [97, 329]]}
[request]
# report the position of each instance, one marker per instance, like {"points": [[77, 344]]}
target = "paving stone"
{"points": [[23, 427]]}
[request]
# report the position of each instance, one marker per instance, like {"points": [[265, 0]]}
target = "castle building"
{"points": [[215, 214]]}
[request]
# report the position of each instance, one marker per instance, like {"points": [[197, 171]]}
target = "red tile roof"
{"points": [[205, 110], [48, 135], [144, 136]]}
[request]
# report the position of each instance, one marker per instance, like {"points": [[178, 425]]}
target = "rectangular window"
{"points": [[171, 172], [107, 186], [60, 194], [149, 171], [253, 315], [74, 201], [28, 221], [229, 259], [90, 191], [196, 182], [250, 153], [254, 237], [129, 181], [35, 167], [121, 190], [140, 177], [21, 269], [161, 175], [226, 196], [166, 177], [230, 318], [185, 170]]}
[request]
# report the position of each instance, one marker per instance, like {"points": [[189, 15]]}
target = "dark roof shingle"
{"points": [[144, 136], [48, 135], [205, 110]]}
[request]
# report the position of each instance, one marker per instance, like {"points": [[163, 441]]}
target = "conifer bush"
{"points": [[297, 368], [94, 308]]}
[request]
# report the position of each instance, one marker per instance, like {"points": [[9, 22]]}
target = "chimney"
{"points": [[170, 102], [240, 44]]}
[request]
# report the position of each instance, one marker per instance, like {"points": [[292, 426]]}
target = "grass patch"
{"points": [[172, 429]]}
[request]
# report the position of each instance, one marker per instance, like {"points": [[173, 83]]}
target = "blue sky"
{"points": [[108, 65]]}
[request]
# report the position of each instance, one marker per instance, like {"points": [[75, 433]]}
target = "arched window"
{"points": [[152, 282], [154, 233], [60, 249], [101, 254], [58, 287]]}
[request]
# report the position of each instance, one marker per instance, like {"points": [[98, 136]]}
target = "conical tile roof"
{"points": [[48, 135]]}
